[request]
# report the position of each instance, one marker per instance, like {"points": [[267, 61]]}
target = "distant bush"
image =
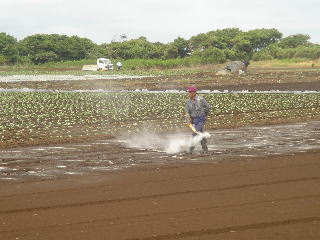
{"points": [[286, 53], [210, 55], [261, 56], [3, 60], [44, 57], [71, 64], [24, 60], [312, 52], [144, 64], [213, 55]]}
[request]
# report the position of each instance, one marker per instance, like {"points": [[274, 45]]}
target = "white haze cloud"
{"points": [[171, 143], [158, 20]]}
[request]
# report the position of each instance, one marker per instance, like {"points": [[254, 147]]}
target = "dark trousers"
{"points": [[198, 123]]}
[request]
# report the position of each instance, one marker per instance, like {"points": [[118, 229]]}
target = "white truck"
{"points": [[103, 64]]}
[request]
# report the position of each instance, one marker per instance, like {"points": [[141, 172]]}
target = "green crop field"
{"points": [[41, 117]]}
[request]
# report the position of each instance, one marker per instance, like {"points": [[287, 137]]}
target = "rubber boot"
{"points": [[204, 145], [191, 150]]}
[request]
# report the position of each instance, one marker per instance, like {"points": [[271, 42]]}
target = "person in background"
{"points": [[119, 66], [234, 67], [197, 110], [110, 66]]}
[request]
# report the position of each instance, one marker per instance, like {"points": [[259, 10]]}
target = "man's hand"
{"points": [[192, 128]]}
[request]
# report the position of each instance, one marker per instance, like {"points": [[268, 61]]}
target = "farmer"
{"points": [[197, 110], [119, 65]]}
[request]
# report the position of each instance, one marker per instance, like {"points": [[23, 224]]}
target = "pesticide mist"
{"points": [[170, 143]]}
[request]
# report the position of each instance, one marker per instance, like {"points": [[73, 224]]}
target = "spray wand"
{"points": [[192, 128]]}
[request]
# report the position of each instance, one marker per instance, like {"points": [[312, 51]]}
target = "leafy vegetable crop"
{"points": [[41, 117]]}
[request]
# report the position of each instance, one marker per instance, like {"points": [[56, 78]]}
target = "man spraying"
{"points": [[197, 110]]}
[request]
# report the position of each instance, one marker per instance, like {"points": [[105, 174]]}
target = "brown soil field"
{"points": [[255, 80], [266, 198], [230, 194]]}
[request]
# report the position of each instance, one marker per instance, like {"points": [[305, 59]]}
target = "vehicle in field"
{"points": [[103, 64]]}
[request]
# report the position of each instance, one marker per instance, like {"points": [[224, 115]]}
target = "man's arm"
{"points": [[187, 115], [206, 106]]}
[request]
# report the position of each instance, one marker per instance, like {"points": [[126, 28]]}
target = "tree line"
{"points": [[215, 46]]}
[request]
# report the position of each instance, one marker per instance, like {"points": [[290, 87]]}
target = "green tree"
{"points": [[198, 42], [210, 55], [77, 48], [178, 48], [262, 38], [261, 55], [135, 48], [286, 53], [310, 52], [294, 41], [8, 49], [222, 39], [141, 48], [114, 50], [42, 48], [241, 44], [226, 36], [230, 54], [44, 57]]}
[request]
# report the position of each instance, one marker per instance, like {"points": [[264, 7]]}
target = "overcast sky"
{"points": [[157, 20]]}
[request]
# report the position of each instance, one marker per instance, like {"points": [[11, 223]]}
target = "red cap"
{"points": [[192, 89]]}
